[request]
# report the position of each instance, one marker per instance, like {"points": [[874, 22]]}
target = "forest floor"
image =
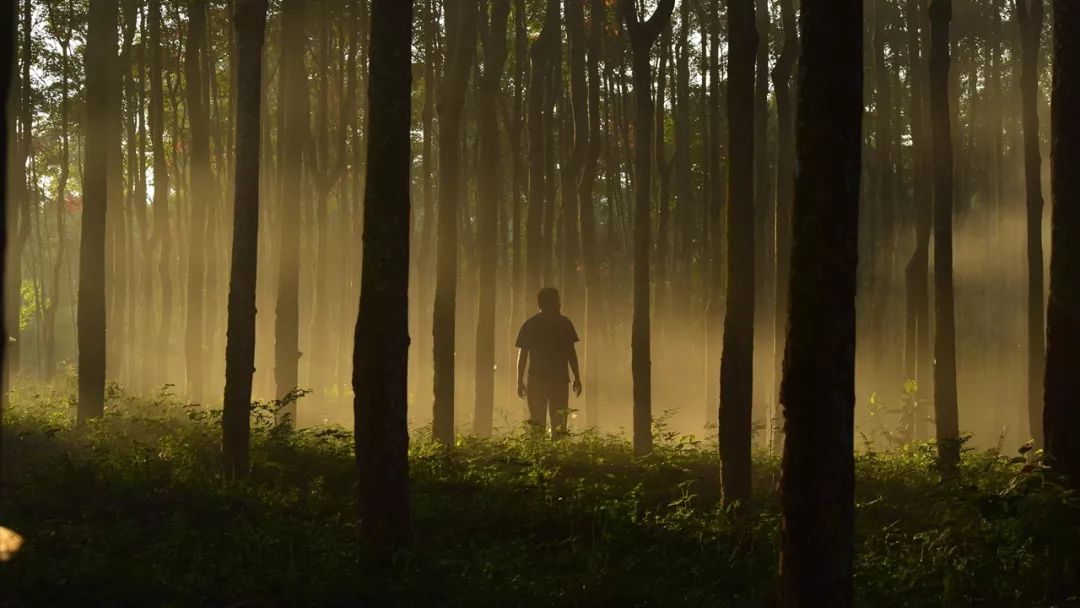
{"points": [[132, 511]]}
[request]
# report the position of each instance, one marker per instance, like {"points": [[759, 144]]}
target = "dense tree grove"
{"points": [[796, 228], [530, 107]]}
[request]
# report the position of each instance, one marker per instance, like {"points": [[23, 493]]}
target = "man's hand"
{"points": [[521, 389], [577, 387]]}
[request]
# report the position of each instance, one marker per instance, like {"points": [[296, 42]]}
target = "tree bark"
{"points": [[294, 135], [493, 37], [461, 44], [715, 282], [540, 57], [162, 238], [1061, 416], [199, 176], [327, 172], [917, 289], [21, 192], [381, 342], [737, 358], [429, 166], [250, 23], [64, 32], [643, 35], [100, 54], [785, 200], [7, 69], [818, 391], [884, 169], [589, 141], [571, 166], [945, 406], [519, 178], [1030, 18]]}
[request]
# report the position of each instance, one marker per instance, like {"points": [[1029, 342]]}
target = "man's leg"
{"points": [[559, 404], [536, 397]]}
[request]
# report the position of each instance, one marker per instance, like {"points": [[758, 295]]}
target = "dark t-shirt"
{"points": [[549, 338]]}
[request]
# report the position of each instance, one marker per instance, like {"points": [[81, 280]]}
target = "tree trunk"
{"points": [[429, 166], [1030, 17], [162, 238], [493, 37], [643, 35], [945, 406], [540, 57], [7, 68], [917, 290], [381, 342], [21, 192], [51, 308], [1061, 417], [818, 393], [715, 281], [294, 136], [199, 176], [571, 166], [887, 244], [594, 299], [327, 173], [737, 358], [250, 23], [664, 168], [519, 178], [100, 55], [461, 43], [785, 201], [764, 213]]}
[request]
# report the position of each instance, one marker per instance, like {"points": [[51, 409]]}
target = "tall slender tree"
{"points": [[818, 393], [714, 313], [945, 406], [1029, 15], [7, 69], [541, 54], [293, 139], [100, 55], [585, 60], [162, 237], [199, 176], [643, 35], [493, 37], [22, 190], [249, 20], [461, 18], [1061, 416], [916, 276], [381, 341], [60, 21], [785, 196], [737, 359]]}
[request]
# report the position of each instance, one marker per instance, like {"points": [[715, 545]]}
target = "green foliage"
{"points": [[27, 303], [132, 510]]}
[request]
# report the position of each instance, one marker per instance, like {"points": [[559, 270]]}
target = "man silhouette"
{"points": [[546, 348]]}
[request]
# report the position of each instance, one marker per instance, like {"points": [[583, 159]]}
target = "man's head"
{"points": [[548, 300]]}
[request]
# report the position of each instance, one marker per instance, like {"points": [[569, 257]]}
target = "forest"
{"points": [[540, 303]]}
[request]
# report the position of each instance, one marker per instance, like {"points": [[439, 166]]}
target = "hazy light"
{"points": [[10, 543]]}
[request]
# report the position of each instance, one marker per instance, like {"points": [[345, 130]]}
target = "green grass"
{"points": [[132, 511]]}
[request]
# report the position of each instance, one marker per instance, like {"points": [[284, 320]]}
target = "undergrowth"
{"points": [[132, 511]]}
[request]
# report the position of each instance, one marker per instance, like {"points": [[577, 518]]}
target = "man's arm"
{"points": [[523, 362], [574, 368]]}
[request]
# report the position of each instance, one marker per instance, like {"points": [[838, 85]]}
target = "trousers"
{"points": [[548, 398]]}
